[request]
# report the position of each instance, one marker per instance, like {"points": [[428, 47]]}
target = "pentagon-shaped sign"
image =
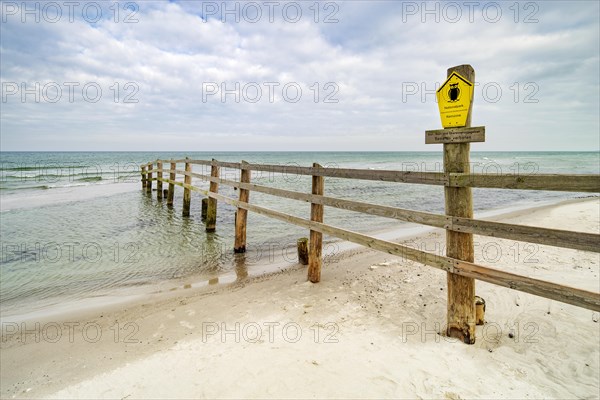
{"points": [[454, 99]]}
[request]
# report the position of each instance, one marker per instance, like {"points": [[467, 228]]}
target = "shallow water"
{"points": [[77, 225]]}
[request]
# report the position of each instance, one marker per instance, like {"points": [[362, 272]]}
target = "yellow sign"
{"points": [[454, 99]]}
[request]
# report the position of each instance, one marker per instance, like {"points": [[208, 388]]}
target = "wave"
{"points": [[32, 177], [90, 179], [43, 167], [67, 186], [57, 177], [44, 187]]}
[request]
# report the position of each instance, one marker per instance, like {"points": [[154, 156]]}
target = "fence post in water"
{"points": [[171, 192], [459, 245], [187, 193], [211, 210], [204, 207], [242, 214], [143, 177], [316, 238], [159, 183], [149, 179]]}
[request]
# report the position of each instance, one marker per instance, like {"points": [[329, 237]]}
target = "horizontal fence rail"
{"points": [[552, 237], [552, 182]]}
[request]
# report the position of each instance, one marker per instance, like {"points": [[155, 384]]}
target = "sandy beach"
{"points": [[370, 329], [162, 162]]}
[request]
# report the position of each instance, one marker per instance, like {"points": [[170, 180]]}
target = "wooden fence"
{"points": [[154, 171]]}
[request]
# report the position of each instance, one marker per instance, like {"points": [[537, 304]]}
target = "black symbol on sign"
{"points": [[454, 92]]}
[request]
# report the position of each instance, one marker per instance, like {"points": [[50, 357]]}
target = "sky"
{"points": [[287, 76]]}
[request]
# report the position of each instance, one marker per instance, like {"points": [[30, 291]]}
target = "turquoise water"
{"points": [[77, 225]]}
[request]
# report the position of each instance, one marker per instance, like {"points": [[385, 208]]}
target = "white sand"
{"points": [[376, 317]]}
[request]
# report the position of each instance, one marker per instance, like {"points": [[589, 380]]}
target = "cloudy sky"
{"points": [[305, 75]]}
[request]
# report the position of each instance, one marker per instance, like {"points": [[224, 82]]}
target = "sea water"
{"points": [[76, 226]]}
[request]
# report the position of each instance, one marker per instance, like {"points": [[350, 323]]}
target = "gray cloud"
{"points": [[537, 87]]}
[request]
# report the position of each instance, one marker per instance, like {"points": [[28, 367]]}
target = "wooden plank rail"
{"points": [[550, 290], [553, 237], [561, 183], [546, 236], [584, 183]]}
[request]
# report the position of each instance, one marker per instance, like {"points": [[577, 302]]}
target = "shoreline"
{"points": [[62, 195], [123, 296], [372, 299]]}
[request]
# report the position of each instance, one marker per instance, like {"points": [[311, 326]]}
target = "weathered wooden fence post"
{"points": [[302, 245], [172, 177], [459, 245], [149, 179], [159, 183], [479, 310], [187, 193], [143, 177], [455, 103], [204, 208], [316, 238], [211, 211], [242, 214]]}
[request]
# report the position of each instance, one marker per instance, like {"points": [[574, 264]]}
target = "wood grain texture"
{"points": [[204, 208], [211, 210], [315, 242], [241, 216], [144, 177], [550, 290], [459, 245], [551, 182], [455, 135], [303, 251], [187, 195], [173, 177], [552, 237], [159, 184], [149, 179]]}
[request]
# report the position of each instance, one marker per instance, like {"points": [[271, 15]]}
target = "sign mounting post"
{"points": [[455, 103]]}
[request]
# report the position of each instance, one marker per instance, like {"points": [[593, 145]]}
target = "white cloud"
{"points": [[374, 52]]}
